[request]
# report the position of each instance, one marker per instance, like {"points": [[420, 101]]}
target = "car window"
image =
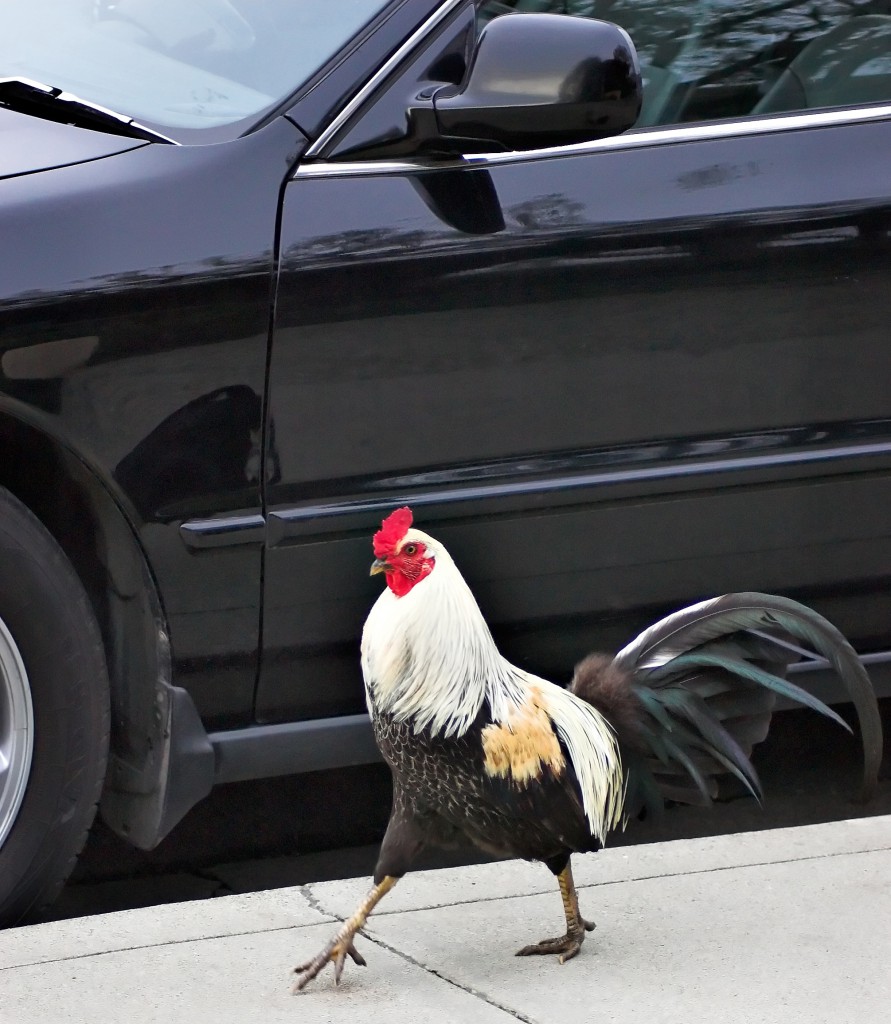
{"points": [[716, 59], [188, 64]]}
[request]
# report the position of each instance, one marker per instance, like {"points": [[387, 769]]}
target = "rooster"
{"points": [[484, 751]]}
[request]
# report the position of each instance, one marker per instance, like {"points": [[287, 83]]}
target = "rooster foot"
{"points": [[336, 951], [341, 946], [567, 945]]}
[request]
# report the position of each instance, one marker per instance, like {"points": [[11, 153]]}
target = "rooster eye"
{"points": [[410, 549]]}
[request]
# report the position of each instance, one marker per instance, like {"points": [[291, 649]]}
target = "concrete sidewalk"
{"points": [[792, 925]]}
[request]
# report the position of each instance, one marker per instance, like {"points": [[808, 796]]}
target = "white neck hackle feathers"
{"points": [[428, 658]]}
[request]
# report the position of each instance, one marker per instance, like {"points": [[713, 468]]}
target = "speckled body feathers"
{"points": [[444, 795]]}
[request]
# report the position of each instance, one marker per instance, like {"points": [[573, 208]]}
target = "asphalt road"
{"points": [[291, 831]]}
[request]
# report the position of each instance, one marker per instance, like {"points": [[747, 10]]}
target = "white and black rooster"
{"points": [[483, 751]]}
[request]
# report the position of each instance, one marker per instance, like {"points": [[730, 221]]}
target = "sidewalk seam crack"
{"points": [[314, 902], [165, 942], [376, 940]]}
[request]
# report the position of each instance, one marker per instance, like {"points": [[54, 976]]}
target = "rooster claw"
{"points": [[336, 951], [567, 946]]}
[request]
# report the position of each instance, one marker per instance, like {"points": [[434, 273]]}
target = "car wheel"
{"points": [[54, 715]]}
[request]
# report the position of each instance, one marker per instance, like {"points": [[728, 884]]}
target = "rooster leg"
{"points": [[341, 945], [569, 944], [402, 843]]}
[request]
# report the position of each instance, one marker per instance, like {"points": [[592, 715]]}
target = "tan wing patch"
{"points": [[519, 747]]}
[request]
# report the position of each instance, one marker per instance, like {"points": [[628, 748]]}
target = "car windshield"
{"points": [[187, 64]]}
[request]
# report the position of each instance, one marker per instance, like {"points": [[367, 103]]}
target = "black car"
{"points": [[271, 269]]}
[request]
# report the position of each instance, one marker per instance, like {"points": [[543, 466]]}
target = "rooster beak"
{"points": [[379, 565]]}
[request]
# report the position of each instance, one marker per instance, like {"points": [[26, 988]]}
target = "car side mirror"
{"points": [[538, 80]]}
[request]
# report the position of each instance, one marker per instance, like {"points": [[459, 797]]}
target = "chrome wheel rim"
{"points": [[16, 731]]}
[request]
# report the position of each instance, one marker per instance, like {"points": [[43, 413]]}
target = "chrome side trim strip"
{"points": [[630, 140], [820, 664], [223, 532], [282, 521], [820, 678], [369, 87], [376, 168]]}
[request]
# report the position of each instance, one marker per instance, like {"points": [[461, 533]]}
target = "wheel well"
{"points": [[38, 473], [79, 512]]}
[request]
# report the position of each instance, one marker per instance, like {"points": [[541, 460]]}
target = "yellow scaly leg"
{"points": [[569, 944], [341, 945]]}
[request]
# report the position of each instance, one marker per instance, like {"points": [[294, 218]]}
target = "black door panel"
{"points": [[635, 299]]}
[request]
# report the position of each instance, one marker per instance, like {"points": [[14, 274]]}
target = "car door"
{"points": [[612, 377]]}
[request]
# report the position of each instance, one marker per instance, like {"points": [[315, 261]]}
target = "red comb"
{"points": [[392, 530]]}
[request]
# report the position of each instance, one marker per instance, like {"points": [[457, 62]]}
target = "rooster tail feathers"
{"points": [[699, 687]]}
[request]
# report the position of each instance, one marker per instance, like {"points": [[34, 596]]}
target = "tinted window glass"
{"points": [[708, 59]]}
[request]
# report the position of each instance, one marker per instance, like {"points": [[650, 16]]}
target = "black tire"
{"points": [[48, 632]]}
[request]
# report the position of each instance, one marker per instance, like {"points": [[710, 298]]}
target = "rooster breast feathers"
{"points": [[429, 662]]}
